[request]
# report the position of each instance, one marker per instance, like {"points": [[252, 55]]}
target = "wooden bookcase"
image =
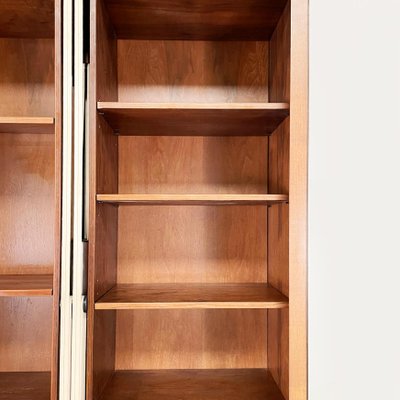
{"points": [[198, 171], [30, 159]]}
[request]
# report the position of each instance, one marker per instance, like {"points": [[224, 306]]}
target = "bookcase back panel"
{"points": [[192, 244], [193, 164], [26, 203], [192, 71], [25, 333], [27, 77], [193, 339]]}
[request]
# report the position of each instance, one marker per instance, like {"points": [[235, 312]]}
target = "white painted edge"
{"points": [[78, 364], [65, 298]]}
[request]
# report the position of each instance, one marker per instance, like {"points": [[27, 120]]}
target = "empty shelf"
{"points": [[193, 199], [26, 125], [191, 296], [194, 119], [233, 384], [26, 285], [27, 18], [24, 385], [195, 20]]}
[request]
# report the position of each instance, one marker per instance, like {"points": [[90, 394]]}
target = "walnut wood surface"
{"points": [[176, 71], [191, 295], [192, 199], [24, 385], [25, 334], [239, 384], [27, 18], [27, 73], [243, 119], [26, 285], [195, 19], [160, 164], [278, 217], [26, 125]]}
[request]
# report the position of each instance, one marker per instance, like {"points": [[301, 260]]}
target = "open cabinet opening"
{"points": [[29, 199], [188, 287]]}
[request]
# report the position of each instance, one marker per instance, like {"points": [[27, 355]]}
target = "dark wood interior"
{"points": [[30, 157], [189, 200]]}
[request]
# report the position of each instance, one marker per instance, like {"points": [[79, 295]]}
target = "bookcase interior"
{"points": [[188, 273], [28, 201]]}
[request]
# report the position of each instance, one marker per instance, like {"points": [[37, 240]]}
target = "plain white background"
{"points": [[354, 200]]}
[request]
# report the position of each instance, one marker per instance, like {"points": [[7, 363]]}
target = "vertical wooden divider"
{"points": [[102, 268]]}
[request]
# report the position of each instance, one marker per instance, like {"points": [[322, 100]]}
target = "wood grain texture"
{"points": [[27, 125], [298, 191], [27, 18], [192, 72], [279, 61], [27, 204], [25, 334], [278, 217], [191, 296], [103, 176], [204, 244], [187, 339], [27, 77], [192, 199], [254, 384], [195, 19], [213, 119], [278, 348], [58, 139], [160, 164], [24, 385], [26, 285]]}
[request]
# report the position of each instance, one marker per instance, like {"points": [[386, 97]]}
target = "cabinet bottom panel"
{"points": [[219, 384]]}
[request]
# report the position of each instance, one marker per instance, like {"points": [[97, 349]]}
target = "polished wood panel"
{"points": [[25, 334], [161, 164], [156, 71], [103, 176], [187, 339], [27, 18], [298, 371], [279, 62], [192, 199], [27, 203], [195, 19], [26, 285], [191, 296], [204, 244], [25, 385], [58, 139], [27, 77], [26, 125], [278, 348], [278, 217], [253, 384], [195, 119]]}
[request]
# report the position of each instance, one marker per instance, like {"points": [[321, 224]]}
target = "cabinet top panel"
{"points": [[195, 19]]}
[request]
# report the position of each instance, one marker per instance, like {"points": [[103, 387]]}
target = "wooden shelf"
{"points": [[193, 199], [234, 384], [26, 285], [26, 125], [27, 18], [194, 119], [25, 385], [195, 20], [191, 296]]}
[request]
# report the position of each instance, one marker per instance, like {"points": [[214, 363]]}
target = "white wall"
{"points": [[354, 200]]}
